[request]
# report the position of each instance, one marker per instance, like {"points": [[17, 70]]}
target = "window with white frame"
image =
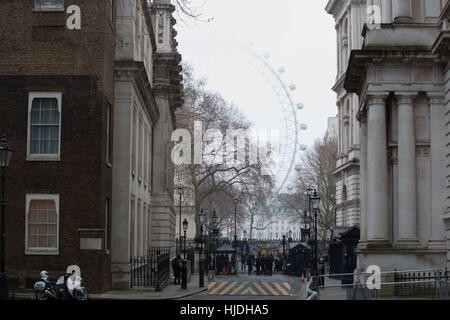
{"points": [[42, 224], [49, 5], [44, 126]]}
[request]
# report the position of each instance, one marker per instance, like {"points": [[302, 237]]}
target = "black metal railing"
{"points": [[151, 270], [418, 283]]}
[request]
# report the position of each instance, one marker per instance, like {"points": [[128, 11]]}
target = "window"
{"points": [[42, 224], [44, 126], [49, 5]]}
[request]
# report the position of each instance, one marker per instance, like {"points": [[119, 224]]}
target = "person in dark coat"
{"points": [[243, 261], [258, 264], [176, 266], [265, 259], [250, 263], [269, 264]]}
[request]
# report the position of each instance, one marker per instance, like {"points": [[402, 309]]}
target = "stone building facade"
{"points": [[399, 74], [349, 20], [147, 91]]}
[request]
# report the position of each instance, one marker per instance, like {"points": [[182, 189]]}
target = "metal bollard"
{"points": [[184, 275]]}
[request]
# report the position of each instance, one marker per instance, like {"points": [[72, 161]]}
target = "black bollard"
{"points": [[184, 275], [201, 282]]}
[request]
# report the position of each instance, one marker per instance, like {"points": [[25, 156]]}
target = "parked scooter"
{"points": [[45, 289]]}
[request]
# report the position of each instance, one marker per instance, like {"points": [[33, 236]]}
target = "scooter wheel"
{"points": [[41, 296], [80, 294]]}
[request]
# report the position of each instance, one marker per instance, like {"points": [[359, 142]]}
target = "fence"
{"points": [[416, 284], [151, 270]]}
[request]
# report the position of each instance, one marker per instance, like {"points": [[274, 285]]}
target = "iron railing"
{"points": [[419, 284], [151, 270]]}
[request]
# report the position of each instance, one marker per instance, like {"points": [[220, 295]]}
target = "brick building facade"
{"points": [[56, 101]]}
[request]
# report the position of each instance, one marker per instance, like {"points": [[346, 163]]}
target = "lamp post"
{"points": [[184, 262], [315, 200], [180, 191], [201, 282], [284, 255], [5, 159], [235, 200]]}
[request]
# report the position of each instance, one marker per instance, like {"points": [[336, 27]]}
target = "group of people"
{"points": [[263, 263]]}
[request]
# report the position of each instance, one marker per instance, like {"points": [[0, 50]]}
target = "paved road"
{"points": [[251, 287]]}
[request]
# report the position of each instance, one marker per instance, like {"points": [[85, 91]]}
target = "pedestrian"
{"points": [[258, 264], [269, 264], [243, 261], [176, 267], [265, 266], [250, 263]]}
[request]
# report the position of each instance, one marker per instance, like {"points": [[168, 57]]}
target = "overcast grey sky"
{"points": [[299, 36]]}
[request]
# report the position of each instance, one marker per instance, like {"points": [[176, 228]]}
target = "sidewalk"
{"points": [[168, 293]]}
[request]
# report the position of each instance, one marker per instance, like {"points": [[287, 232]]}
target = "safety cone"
{"points": [[302, 279]]}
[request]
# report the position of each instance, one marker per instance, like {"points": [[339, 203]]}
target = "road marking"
{"points": [[259, 288], [276, 284], [287, 285], [228, 288], [238, 288], [249, 289], [212, 284], [218, 287], [270, 289]]}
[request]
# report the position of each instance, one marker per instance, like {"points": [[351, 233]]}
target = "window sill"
{"points": [[43, 158], [49, 10], [42, 252]]}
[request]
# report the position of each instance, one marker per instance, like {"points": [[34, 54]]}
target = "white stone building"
{"points": [[398, 70], [146, 94], [350, 18]]}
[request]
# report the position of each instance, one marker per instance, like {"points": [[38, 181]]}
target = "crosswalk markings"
{"points": [[276, 284], [228, 288], [238, 288], [259, 288], [270, 289], [218, 288]]}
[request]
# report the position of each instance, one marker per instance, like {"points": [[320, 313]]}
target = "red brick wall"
{"points": [[82, 179]]}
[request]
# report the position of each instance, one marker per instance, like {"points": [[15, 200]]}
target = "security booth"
{"points": [[225, 257], [342, 252], [298, 259]]}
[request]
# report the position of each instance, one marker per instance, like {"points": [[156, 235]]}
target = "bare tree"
{"points": [[211, 177], [317, 170]]}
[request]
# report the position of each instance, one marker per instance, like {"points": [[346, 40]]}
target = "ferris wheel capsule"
{"points": [[303, 147], [303, 126], [281, 69], [299, 106], [292, 87]]}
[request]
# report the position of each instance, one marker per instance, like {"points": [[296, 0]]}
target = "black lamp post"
{"points": [[201, 282], [180, 191], [235, 200], [184, 262], [185, 226], [5, 159], [284, 252], [315, 200]]}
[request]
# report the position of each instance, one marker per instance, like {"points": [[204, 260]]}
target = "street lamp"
{"points": [[235, 200], [5, 159], [201, 282], [290, 236], [184, 262], [284, 254], [185, 226], [315, 200], [180, 191]]}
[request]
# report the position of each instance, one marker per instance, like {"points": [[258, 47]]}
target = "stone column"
{"points": [[432, 10], [438, 165], [401, 10], [363, 171], [407, 203], [377, 197], [386, 11]]}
